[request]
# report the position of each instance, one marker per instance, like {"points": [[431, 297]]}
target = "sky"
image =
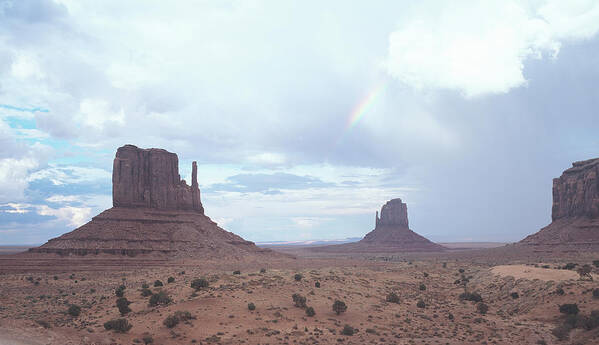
{"points": [[304, 117]]}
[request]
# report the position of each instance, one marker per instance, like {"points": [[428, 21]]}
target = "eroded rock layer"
{"points": [[391, 234], [575, 209]]}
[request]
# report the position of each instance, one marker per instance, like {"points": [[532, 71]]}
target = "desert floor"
{"points": [[34, 301]]}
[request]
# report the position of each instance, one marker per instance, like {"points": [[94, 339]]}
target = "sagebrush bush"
{"points": [[120, 291], [471, 296], [199, 283], [596, 293], [160, 298], [263, 270], [299, 300], [569, 309], [298, 277], [392, 297], [251, 306], [482, 308], [317, 284], [422, 287], [118, 325], [170, 280], [145, 292], [145, 286], [237, 272], [310, 312], [74, 310], [348, 330], [123, 305], [421, 304], [339, 307], [515, 295], [560, 291], [158, 283]]}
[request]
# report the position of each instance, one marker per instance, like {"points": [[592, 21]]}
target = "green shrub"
{"points": [[560, 291], [299, 300], [251, 306], [118, 325], [561, 332], [237, 272], [482, 308], [461, 270], [339, 307], [160, 298], [74, 310], [515, 295], [179, 316], [310, 312], [145, 286], [425, 274], [123, 305], [146, 292], [199, 283], [421, 304], [422, 287], [569, 309], [570, 266], [298, 277], [317, 284], [170, 321], [170, 280], [120, 291], [158, 283], [596, 263], [596, 293], [263, 270], [392, 298], [471, 296], [348, 330], [147, 339]]}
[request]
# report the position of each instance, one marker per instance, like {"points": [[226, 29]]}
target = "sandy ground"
{"points": [[30, 300]]}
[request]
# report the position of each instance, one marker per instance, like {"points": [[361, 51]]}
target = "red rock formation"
{"points": [[155, 212], [150, 178], [391, 234], [575, 209]]}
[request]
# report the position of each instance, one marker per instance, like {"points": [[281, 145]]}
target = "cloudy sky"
{"points": [[304, 117]]}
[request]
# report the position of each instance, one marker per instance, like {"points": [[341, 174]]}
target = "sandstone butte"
{"points": [[391, 234], [575, 209], [154, 212]]}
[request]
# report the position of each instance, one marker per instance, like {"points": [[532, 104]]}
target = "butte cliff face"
{"points": [[575, 209], [154, 212], [391, 234]]}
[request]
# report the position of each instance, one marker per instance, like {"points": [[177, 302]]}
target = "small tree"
{"points": [[118, 325], [199, 283], [310, 312], [251, 306], [317, 284], [339, 307], [160, 298], [120, 291]]}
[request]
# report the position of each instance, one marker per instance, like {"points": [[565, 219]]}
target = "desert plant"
{"points": [[299, 300], [179, 316], [422, 287], [263, 270], [425, 274], [145, 286], [561, 332], [585, 272], [74, 310], [461, 270], [515, 295], [317, 284], [569, 309], [310, 312], [348, 330], [170, 321], [199, 283], [482, 308], [298, 277], [118, 325], [237, 272], [123, 305], [147, 339], [146, 292], [170, 280], [560, 291], [158, 283], [160, 298], [339, 307], [421, 304], [392, 297], [570, 266], [596, 263], [120, 291], [251, 306], [596, 293], [471, 296]]}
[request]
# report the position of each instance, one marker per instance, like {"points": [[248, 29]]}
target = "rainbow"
{"points": [[364, 106]]}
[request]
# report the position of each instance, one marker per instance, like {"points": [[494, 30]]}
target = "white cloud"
{"points": [[75, 216], [13, 177], [480, 47], [60, 175]]}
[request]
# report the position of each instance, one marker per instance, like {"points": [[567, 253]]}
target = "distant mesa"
{"points": [[575, 209], [154, 212], [391, 234]]}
